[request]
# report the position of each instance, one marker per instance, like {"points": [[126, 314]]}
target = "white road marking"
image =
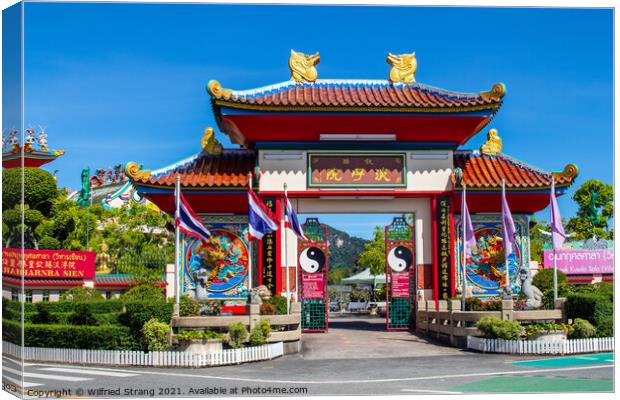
{"points": [[88, 372], [20, 383], [430, 391], [50, 377], [418, 378]]}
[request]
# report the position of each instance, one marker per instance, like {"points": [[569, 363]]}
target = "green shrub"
{"points": [[531, 330], [83, 315], [155, 335], [500, 329], [42, 316], [188, 306], [260, 333], [145, 292], [473, 304], [49, 243], [105, 337], [11, 331], [582, 329], [491, 305], [138, 313], [279, 302], [82, 293], [543, 280], [237, 334], [199, 335], [593, 307]]}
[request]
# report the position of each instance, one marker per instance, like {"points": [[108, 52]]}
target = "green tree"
{"points": [[336, 275], [39, 188], [593, 197], [373, 256]]}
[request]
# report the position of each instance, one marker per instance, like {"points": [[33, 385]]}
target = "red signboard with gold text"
{"points": [[356, 170], [51, 264]]}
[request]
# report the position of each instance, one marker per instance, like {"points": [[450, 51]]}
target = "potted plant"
{"points": [[200, 342]]}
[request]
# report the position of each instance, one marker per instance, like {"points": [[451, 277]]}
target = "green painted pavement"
{"points": [[535, 384], [586, 359]]}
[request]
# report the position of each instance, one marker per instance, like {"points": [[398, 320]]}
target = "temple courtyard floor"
{"points": [[356, 357]]}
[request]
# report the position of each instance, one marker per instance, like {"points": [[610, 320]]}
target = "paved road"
{"points": [[430, 369]]}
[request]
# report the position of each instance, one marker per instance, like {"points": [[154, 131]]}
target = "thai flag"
{"points": [[188, 221], [261, 219], [291, 221]]}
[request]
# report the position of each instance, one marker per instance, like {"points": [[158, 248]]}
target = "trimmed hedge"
{"points": [[62, 318], [138, 313], [593, 307], [98, 306], [105, 337]]}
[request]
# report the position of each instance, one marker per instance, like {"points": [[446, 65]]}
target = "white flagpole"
{"points": [[250, 243], [508, 291], [177, 237], [463, 256], [285, 232], [555, 261]]}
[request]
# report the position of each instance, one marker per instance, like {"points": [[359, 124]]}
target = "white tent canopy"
{"points": [[364, 277]]}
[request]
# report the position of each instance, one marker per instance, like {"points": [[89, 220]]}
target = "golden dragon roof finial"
{"points": [[493, 145], [132, 169], [303, 66], [403, 68], [209, 143]]}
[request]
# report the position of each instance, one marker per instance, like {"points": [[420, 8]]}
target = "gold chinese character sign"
{"points": [[339, 170]]}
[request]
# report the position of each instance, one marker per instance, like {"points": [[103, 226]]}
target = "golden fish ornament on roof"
{"points": [[493, 145], [403, 67], [303, 66]]}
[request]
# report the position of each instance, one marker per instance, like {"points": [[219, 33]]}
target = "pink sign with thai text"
{"points": [[313, 286], [400, 284], [582, 261]]}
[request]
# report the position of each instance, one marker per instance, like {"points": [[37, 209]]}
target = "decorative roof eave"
{"points": [[41, 157], [443, 110], [371, 96], [488, 167]]}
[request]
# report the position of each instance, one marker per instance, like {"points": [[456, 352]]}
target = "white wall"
{"points": [[426, 170]]}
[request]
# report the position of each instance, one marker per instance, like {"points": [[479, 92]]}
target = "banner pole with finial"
{"points": [[250, 243], [285, 233]]}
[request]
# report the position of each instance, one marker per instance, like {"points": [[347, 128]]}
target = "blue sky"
{"points": [[126, 82]]}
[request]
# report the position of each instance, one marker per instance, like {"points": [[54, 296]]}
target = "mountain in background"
{"points": [[344, 250]]}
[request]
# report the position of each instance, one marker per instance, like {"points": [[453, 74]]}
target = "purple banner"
{"points": [[578, 262]]}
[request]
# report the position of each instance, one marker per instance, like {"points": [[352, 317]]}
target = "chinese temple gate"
{"points": [[354, 146]]}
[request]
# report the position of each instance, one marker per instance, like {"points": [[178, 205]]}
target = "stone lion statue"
{"points": [[260, 294]]}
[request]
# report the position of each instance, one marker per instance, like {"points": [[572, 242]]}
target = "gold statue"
{"points": [[403, 67], [102, 259], [303, 66], [209, 143], [493, 145]]}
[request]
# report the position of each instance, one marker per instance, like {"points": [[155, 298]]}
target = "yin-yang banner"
{"points": [[400, 270], [313, 272]]}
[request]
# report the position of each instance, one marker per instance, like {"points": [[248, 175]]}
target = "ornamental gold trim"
{"points": [[216, 90], [132, 169], [497, 92], [245, 106], [570, 172]]}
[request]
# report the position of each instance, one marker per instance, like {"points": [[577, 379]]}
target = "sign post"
{"points": [[313, 273], [400, 287]]}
